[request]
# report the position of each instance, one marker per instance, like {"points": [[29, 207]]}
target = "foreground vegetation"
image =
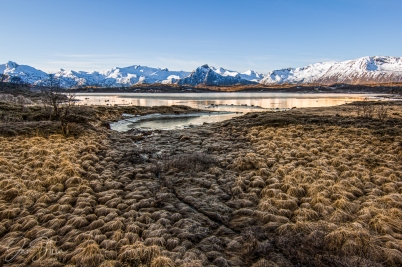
{"points": [[308, 187]]}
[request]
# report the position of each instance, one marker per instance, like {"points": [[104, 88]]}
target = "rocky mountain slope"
{"points": [[211, 76]]}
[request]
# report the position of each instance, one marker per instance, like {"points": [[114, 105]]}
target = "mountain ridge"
{"points": [[124, 76], [207, 75], [365, 70]]}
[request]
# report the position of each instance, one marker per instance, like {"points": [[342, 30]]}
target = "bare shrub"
{"points": [[364, 109], [382, 112], [367, 109]]}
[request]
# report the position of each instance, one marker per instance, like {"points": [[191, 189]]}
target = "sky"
{"points": [[261, 35]]}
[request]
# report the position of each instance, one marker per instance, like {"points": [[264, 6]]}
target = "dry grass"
{"points": [[288, 195], [46, 194], [138, 252], [344, 198], [162, 262], [88, 255]]}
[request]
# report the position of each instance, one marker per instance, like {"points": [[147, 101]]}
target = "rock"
{"points": [[184, 138], [105, 124], [137, 137]]}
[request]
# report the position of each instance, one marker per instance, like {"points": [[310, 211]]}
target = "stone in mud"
{"points": [[184, 138], [105, 124], [137, 137]]}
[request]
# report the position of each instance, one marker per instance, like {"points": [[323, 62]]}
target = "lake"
{"points": [[229, 104]]}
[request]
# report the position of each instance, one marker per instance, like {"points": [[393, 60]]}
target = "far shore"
{"points": [[172, 88]]}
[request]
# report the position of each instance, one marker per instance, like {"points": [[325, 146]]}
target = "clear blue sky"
{"points": [[239, 35]]}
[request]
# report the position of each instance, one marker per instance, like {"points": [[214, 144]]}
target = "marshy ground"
{"points": [[306, 187]]}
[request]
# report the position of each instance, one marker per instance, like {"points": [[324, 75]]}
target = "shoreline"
{"points": [[288, 88]]}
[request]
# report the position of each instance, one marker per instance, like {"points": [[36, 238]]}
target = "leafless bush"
{"points": [[58, 103], [382, 112], [364, 109]]}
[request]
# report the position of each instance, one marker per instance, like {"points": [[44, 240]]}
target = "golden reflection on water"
{"points": [[225, 100]]}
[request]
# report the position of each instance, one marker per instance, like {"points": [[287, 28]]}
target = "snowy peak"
{"points": [[382, 63], [377, 69], [297, 75], [251, 75], [142, 74], [11, 65], [211, 76], [225, 72], [364, 70], [27, 74], [115, 77]]}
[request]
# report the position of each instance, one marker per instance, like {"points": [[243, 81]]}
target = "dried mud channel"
{"points": [[307, 187]]}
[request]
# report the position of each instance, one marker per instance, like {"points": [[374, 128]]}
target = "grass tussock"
{"points": [[88, 255], [330, 191]]}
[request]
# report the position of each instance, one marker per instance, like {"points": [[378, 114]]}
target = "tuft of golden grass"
{"points": [[162, 261], [88, 255], [139, 252]]}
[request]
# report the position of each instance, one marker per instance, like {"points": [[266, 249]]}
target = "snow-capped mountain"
{"points": [[131, 75], [208, 75], [115, 77], [120, 76], [249, 75], [377, 69], [364, 70], [27, 74]]}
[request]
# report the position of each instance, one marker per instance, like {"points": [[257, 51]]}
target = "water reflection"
{"points": [[179, 123], [236, 103], [225, 100]]}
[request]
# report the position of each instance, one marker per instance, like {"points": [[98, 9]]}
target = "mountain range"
{"points": [[366, 70]]}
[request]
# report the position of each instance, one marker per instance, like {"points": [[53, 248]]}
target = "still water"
{"points": [[235, 103], [199, 100]]}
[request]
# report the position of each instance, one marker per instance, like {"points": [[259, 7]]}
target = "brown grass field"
{"points": [[307, 187]]}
